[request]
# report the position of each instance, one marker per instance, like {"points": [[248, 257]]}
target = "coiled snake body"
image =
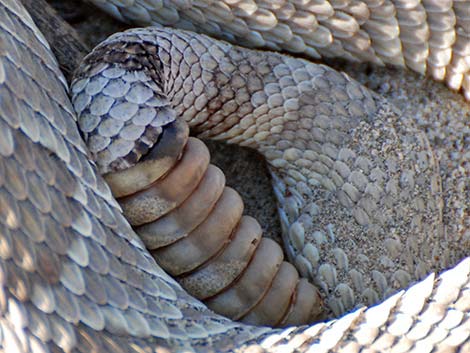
{"points": [[74, 275]]}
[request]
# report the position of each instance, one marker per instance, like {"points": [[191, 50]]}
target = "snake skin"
{"points": [[74, 276], [424, 35]]}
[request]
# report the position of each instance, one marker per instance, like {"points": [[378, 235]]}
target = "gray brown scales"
{"points": [[97, 299]]}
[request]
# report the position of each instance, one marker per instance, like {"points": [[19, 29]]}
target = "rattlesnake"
{"points": [[74, 274]]}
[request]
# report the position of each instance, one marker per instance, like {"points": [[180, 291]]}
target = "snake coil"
{"points": [[75, 278]]}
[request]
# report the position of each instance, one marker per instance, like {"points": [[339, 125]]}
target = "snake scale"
{"points": [[74, 275]]}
